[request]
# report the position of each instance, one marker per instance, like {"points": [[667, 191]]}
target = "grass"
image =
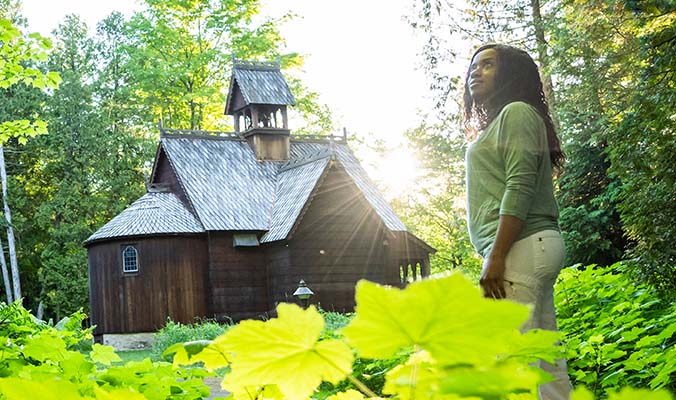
{"points": [[136, 355]]}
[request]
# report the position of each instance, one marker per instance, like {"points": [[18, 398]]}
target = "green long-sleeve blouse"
{"points": [[509, 173]]}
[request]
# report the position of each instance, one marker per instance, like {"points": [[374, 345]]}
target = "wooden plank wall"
{"points": [[338, 242], [165, 175], [170, 283], [237, 279]]}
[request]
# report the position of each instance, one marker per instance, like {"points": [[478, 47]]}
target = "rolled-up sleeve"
{"points": [[521, 141]]}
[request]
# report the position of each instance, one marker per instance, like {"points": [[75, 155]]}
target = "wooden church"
{"points": [[231, 222]]}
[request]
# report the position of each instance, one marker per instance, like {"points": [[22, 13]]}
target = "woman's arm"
{"points": [[521, 142], [493, 271]]}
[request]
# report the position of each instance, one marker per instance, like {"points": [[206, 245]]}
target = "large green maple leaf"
{"points": [[448, 317], [286, 352], [23, 389], [45, 346], [208, 352], [103, 354]]}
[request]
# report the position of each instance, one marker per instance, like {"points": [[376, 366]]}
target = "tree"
{"points": [[179, 54], [77, 178], [17, 52], [642, 149], [438, 212]]}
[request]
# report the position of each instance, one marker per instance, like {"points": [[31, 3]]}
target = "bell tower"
{"points": [[257, 99]]}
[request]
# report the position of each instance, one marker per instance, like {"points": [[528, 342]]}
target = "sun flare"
{"points": [[397, 172]]}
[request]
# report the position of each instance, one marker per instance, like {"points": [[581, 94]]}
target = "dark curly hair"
{"points": [[517, 79]]}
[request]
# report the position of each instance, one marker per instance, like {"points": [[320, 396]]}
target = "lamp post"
{"points": [[303, 294]]}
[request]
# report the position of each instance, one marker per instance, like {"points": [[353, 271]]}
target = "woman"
{"points": [[513, 217]]}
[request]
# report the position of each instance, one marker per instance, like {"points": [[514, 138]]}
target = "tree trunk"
{"points": [[5, 275], [541, 43], [41, 311], [10, 231]]}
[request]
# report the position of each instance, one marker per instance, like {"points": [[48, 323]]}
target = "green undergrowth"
{"points": [[59, 362], [176, 332], [436, 339], [369, 371], [617, 333]]}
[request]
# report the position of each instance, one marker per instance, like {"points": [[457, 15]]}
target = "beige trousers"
{"points": [[532, 265]]}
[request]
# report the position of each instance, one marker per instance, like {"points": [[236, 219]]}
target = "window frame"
{"points": [[126, 271]]}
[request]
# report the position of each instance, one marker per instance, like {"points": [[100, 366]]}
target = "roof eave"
{"points": [[89, 242], [228, 101]]}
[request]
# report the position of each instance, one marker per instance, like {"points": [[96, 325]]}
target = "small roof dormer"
{"points": [[257, 99]]}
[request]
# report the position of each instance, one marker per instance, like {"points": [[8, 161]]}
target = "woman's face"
{"points": [[482, 71]]}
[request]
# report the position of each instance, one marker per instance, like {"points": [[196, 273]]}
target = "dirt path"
{"points": [[214, 383]]}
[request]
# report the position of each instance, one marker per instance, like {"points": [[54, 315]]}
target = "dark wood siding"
{"points": [[170, 283], [237, 279], [238, 101], [338, 242], [165, 175]]}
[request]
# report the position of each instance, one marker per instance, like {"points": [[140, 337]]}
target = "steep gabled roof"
{"points": [[259, 83], [152, 214], [295, 183], [229, 190], [360, 178]]}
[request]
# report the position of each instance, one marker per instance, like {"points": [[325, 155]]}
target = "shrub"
{"points": [[175, 332], [441, 334], [617, 333], [41, 361], [334, 322]]}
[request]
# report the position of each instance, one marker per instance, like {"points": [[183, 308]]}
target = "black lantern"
{"points": [[303, 294]]}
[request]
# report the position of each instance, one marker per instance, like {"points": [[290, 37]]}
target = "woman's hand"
{"points": [[493, 277], [493, 272]]}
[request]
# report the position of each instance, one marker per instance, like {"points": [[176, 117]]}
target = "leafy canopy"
{"points": [[17, 52]]}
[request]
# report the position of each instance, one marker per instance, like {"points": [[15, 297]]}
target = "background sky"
{"points": [[361, 55]]}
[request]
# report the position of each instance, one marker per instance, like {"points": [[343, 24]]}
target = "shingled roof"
{"points": [[259, 83], [228, 190], [152, 214]]}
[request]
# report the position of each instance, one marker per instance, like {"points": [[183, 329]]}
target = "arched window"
{"points": [[129, 259]]}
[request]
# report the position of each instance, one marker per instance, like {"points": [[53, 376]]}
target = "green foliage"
{"points": [[624, 394], [369, 371], [334, 322], [171, 60], [448, 342], [612, 62], [175, 332], [643, 149], [39, 361], [435, 211], [178, 56], [617, 333], [68, 184], [136, 355], [594, 75], [450, 335], [17, 50]]}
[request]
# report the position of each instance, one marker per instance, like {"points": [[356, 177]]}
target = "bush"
{"points": [[41, 361], [617, 333], [334, 322], [175, 332]]}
